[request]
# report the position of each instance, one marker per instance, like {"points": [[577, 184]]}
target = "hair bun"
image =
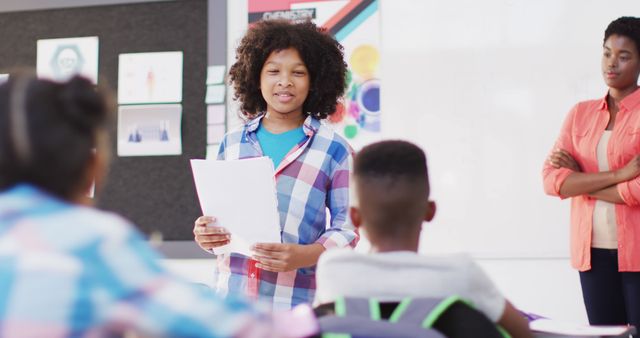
{"points": [[82, 104]]}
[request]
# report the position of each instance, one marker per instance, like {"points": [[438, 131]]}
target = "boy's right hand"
{"points": [[209, 237]]}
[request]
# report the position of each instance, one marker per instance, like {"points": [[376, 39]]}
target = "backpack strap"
{"points": [[422, 312], [358, 307], [361, 317], [347, 327], [503, 332]]}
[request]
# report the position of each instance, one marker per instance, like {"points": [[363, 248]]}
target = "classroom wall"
{"points": [[484, 87]]}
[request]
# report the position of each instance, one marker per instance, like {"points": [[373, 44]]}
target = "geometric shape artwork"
{"points": [[60, 59]]}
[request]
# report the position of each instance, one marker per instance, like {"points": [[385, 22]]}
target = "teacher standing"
{"points": [[595, 162]]}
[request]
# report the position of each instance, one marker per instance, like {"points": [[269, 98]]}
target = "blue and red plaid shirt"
{"points": [[72, 271], [313, 177]]}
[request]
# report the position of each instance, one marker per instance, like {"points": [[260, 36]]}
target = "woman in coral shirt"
{"points": [[595, 162]]}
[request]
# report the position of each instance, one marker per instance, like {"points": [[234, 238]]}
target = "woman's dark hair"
{"points": [[48, 132], [320, 52], [627, 26]]}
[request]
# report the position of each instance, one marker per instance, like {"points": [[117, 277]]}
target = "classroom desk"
{"points": [[627, 334]]}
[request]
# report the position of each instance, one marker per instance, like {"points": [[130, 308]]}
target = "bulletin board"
{"points": [[156, 192]]}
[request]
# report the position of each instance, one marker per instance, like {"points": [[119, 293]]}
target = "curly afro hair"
{"points": [[627, 26], [321, 53]]}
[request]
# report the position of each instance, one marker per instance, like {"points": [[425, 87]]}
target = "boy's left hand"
{"points": [[282, 257]]}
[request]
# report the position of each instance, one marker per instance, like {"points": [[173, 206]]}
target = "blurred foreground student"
{"points": [[392, 193], [288, 77], [69, 270]]}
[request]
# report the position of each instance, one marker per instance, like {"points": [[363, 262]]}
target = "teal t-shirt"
{"points": [[277, 146]]}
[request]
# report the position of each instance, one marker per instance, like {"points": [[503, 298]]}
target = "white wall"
{"points": [[484, 87], [547, 287], [237, 25]]}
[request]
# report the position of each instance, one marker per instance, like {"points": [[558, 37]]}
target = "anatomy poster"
{"points": [[150, 78]]}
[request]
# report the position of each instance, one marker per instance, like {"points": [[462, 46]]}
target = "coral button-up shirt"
{"points": [[580, 134]]}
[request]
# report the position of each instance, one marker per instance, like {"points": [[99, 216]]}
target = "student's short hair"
{"points": [[627, 26], [320, 52], [392, 186], [48, 132]]}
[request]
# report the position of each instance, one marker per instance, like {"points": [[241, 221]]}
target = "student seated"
{"points": [[67, 269], [392, 194]]}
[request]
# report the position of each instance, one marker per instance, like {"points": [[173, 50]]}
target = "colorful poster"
{"points": [[356, 25], [60, 59]]}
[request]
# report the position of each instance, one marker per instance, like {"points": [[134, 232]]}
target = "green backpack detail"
{"points": [[410, 318]]}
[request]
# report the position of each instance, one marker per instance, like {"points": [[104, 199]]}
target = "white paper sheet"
{"points": [[4, 78], [215, 74], [150, 130], [241, 195], [576, 330], [150, 78], [216, 113], [60, 59], [215, 94]]}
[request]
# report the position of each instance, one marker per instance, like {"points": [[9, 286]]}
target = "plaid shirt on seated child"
{"points": [[73, 271]]}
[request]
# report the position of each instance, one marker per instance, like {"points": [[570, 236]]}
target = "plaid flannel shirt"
{"points": [[73, 271], [313, 177]]}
